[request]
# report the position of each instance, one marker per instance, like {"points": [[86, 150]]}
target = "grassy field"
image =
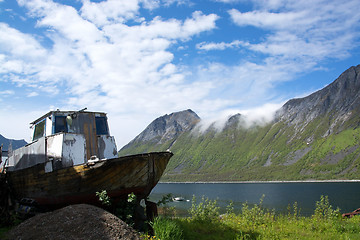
{"points": [[255, 223]]}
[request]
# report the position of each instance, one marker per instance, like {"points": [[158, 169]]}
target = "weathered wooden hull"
{"points": [[78, 184]]}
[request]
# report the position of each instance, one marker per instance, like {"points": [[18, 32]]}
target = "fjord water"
{"points": [[345, 195]]}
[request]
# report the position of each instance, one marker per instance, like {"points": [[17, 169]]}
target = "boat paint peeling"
{"points": [[107, 147], [63, 139]]}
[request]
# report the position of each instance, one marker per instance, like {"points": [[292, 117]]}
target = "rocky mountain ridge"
{"points": [[167, 128], [315, 137], [338, 99]]}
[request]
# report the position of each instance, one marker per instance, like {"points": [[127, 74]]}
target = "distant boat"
{"points": [[72, 156], [178, 199]]}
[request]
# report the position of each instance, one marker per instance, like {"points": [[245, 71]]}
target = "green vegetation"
{"points": [[206, 211], [324, 149], [104, 198], [123, 209], [256, 223]]}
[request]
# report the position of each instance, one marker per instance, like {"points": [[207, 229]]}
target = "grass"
{"points": [[256, 223]]}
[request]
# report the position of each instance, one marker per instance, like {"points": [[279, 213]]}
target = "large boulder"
{"points": [[80, 221]]}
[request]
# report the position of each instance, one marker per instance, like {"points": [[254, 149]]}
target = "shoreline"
{"points": [[276, 181]]}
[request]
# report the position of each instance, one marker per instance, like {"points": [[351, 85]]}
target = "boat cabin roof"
{"points": [[63, 113], [76, 122]]}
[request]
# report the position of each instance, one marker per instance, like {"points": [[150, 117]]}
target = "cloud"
{"points": [[298, 37], [98, 60], [19, 45], [92, 60], [7, 93], [301, 30], [221, 45], [258, 116], [298, 31], [111, 57], [109, 12], [269, 19], [32, 94]]}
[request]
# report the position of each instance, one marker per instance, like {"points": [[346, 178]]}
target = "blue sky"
{"points": [[140, 59]]}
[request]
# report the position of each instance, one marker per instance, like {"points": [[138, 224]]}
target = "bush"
{"points": [[324, 211], [206, 210], [256, 215]]}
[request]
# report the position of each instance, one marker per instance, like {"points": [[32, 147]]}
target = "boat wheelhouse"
{"points": [[62, 139]]}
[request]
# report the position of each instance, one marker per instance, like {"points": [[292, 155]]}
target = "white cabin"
{"points": [[65, 138]]}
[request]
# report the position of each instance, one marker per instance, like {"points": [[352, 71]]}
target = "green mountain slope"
{"points": [[316, 137]]}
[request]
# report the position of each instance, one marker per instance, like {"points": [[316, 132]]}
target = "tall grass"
{"points": [[256, 222]]}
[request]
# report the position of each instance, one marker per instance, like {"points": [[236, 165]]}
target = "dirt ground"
{"points": [[80, 221]]}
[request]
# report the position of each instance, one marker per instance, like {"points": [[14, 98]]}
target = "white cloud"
{"points": [[221, 45], [270, 20], [258, 116], [108, 57], [108, 12], [19, 45], [7, 93], [32, 94], [98, 61], [299, 35], [315, 30], [261, 115]]}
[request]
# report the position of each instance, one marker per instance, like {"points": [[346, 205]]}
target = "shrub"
{"points": [[206, 210], [256, 215], [324, 211], [104, 198]]}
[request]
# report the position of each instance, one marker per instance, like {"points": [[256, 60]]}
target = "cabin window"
{"points": [[101, 126], [39, 130], [60, 124]]}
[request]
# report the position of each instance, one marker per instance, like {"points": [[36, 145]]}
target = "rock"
{"points": [[80, 221], [166, 128]]}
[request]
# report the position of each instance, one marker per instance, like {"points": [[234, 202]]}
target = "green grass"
{"points": [[264, 152], [257, 223]]}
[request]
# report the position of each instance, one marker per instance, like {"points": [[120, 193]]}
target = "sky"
{"points": [[141, 59]]}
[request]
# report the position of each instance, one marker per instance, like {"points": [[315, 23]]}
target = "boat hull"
{"points": [[136, 174]]}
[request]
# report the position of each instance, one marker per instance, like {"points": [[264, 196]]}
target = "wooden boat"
{"points": [[72, 156]]}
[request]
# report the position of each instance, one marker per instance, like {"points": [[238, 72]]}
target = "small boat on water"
{"points": [[178, 199], [72, 156]]}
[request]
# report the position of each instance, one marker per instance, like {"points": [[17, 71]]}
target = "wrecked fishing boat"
{"points": [[72, 156]]}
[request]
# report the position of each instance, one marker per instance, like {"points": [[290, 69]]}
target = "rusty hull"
{"points": [[79, 184]]}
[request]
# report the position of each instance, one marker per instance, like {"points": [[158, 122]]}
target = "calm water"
{"points": [[345, 195]]}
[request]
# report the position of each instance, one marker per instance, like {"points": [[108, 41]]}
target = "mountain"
{"points": [[315, 137], [163, 131], [14, 143]]}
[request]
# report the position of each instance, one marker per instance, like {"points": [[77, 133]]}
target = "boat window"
{"points": [[60, 124], [39, 130], [101, 126]]}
